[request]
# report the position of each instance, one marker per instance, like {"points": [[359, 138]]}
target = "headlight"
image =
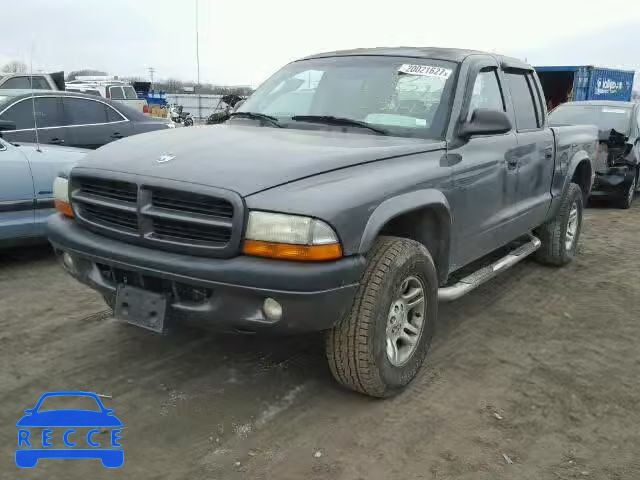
{"points": [[61, 196], [290, 237]]}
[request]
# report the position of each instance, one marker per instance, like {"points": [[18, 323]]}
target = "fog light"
{"points": [[67, 261], [272, 309]]}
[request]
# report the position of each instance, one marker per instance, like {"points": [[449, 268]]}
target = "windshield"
{"points": [[606, 117], [62, 402], [403, 96]]}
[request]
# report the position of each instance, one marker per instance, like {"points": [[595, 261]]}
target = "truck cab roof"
{"points": [[450, 54]]}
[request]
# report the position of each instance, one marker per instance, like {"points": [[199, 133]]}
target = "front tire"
{"points": [[627, 200], [561, 234], [378, 347]]}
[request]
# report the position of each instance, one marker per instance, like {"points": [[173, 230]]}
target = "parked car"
{"points": [[72, 119], [39, 81], [347, 194], [26, 187], [618, 162], [114, 90]]}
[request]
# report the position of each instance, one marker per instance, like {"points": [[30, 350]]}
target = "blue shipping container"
{"points": [[568, 83]]}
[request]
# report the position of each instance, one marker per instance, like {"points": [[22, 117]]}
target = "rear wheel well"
{"points": [[582, 177], [428, 226]]}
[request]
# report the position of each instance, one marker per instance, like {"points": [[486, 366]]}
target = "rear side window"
{"points": [[80, 111], [130, 93], [116, 93], [47, 113], [523, 100], [25, 82], [486, 92]]}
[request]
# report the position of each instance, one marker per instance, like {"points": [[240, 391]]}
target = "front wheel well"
{"points": [[428, 226], [582, 177]]}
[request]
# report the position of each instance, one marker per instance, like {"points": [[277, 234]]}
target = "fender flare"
{"points": [[578, 157], [405, 203]]}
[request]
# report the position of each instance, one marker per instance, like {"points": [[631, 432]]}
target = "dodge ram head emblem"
{"points": [[165, 158]]}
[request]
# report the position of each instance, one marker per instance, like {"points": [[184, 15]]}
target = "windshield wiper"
{"points": [[331, 120], [257, 116]]}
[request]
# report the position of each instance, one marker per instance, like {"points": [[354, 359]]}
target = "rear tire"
{"points": [[561, 234], [373, 350]]}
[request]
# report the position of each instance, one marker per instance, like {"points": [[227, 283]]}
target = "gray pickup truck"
{"points": [[349, 194]]}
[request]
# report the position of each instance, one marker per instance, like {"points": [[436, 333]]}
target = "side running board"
{"points": [[477, 278]]}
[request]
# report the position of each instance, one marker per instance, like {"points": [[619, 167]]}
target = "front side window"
{"points": [[116, 93], [404, 96], [522, 98], [45, 110], [486, 92]]}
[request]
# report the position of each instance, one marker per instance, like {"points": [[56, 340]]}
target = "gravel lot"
{"points": [[533, 376]]}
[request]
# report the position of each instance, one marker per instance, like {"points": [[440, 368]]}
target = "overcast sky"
{"points": [[244, 41]]}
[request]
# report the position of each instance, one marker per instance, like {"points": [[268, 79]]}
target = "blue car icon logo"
{"points": [[75, 428]]}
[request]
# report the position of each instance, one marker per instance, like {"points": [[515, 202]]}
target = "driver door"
{"points": [[484, 176]]}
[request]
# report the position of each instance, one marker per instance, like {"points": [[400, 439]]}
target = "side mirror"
{"points": [[485, 122], [217, 117], [7, 125], [238, 105]]}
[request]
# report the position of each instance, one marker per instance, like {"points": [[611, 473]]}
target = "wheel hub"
{"points": [[405, 321], [572, 227]]}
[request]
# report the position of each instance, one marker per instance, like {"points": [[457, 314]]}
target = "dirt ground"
{"points": [[533, 376]]}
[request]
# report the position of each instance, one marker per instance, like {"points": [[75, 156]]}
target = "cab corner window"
{"points": [[112, 115]]}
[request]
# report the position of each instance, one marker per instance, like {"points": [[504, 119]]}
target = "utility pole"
{"points": [[151, 72], [198, 61]]}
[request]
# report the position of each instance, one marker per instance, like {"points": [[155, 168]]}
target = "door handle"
{"points": [[117, 135], [57, 141], [548, 153]]}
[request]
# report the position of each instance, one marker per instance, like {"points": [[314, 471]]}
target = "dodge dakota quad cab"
{"points": [[349, 194]]}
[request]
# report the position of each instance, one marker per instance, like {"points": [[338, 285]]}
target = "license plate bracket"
{"points": [[141, 308]]}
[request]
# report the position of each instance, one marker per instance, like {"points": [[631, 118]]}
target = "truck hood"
{"points": [[247, 159]]}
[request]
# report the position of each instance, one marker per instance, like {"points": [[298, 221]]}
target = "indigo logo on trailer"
{"points": [[59, 427]]}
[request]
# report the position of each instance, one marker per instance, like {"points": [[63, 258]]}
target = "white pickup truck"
{"points": [[116, 90]]}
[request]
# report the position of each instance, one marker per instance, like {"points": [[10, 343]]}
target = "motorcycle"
{"points": [[178, 116]]}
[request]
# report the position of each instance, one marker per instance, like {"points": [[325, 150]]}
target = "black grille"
{"points": [[176, 291], [193, 232], [113, 189], [205, 221], [191, 203], [110, 217]]}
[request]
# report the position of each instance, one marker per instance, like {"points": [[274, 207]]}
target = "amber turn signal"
{"points": [[64, 208], [288, 251]]}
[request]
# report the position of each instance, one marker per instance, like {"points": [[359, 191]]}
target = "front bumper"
{"points": [[226, 293], [612, 182]]}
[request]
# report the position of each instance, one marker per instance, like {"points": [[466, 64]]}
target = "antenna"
{"points": [[151, 72], [33, 101]]}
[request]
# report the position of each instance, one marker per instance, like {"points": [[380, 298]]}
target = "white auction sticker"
{"points": [[425, 70]]}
